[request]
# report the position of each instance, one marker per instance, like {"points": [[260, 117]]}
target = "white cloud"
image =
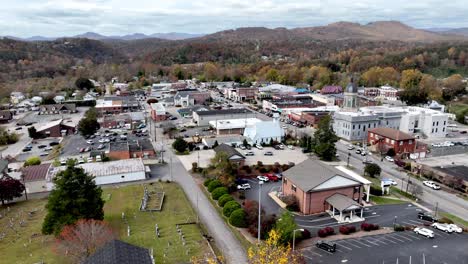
{"points": [[117, 17]]}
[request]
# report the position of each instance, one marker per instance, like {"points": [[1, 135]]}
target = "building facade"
{"points": [[203, 118]]}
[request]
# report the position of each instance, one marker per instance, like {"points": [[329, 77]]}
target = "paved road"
{"points": [[230, 247], [447, 202]]}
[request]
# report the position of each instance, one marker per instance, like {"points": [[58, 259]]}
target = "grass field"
{"points": [[176, 210], [455, 219], [383, 200]]}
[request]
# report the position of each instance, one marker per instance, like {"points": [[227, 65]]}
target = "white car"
{"points": [[432, 185], [244, 186], [102, 140], [258, 146], [456, 228], [242, 147], [290, 147], [442, 227], [392, 182], [284, 126], [90, 142], [424, 232], [48, 148], [350, 147], [250, 153], [43, 154], [262, 178], [90, 159], [389, 158]]}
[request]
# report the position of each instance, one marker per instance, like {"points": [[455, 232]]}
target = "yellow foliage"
{"points": [[272, 252]]}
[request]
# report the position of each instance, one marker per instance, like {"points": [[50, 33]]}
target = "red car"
{"points": [[271, 177]]}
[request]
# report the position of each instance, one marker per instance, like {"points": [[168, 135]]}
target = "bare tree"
{"points": [[82, 239]]}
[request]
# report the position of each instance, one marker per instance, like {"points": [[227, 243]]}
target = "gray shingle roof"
{"points": [[342, 202], [223, 111], [230, 151], [311, 173], [120, 252]]}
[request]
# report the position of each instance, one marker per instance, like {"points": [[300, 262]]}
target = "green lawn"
{"points": [[384, 200], [176, 209]]}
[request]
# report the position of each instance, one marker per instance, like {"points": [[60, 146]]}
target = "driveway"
{"points": [[397, 247], [268, 205]]}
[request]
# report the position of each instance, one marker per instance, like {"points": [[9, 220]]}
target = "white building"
{"points": [[264, 132], [388, 93], [430, 123], [16, 97], [232, 126]]}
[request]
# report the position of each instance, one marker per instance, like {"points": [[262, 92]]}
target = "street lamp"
{"points": [[260, 183], [394, 221], [349, 155], [294, 236]]}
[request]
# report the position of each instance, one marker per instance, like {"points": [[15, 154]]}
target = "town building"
{"points": [[232, 126], [426, 122], [319, 188], [350, 101], [57, 109], [117, 251], [382, 139], [117, 105], [226, 139], [331, 89], [57, 128], [190, 97], [242, 94], [187, 112], [233, 155], [140, 148], [203, 118], [16, 97], [312, 118], [158, 112], [36, 179], [285, 102], [388, 93], [5, 116], [265, 132]]}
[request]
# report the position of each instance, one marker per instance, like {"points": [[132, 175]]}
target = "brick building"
{"points": [[233, 155], [56, 128], [312, 118], [319, 187], [141, 148], [242, 94], [383, 138], [5, 116], [158, 112]]}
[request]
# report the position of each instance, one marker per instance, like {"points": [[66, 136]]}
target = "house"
{"points": [[141, 148], [189, 97], [58, 99], [117, 251], [16, 97], [388, 93], [188, 111], [226, 139], [57, 109], [158, 112], [5, 116], [285, 102], [203, 118], [233, 155], [319, 188], [57, 128], [117, 105], [382, 139], [242, 94], [35, 178], [312, 118], [331, 89], [265, 132]]}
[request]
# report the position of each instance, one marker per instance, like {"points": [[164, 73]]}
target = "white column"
{"points": [[341, 216], [351, 216], [368, 193], [333, 210], [361, 211]]}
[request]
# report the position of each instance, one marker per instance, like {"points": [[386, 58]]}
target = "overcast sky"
{"points": [[53, 18]]}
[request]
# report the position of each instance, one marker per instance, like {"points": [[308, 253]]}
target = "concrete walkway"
{"points": [[231, 248]]}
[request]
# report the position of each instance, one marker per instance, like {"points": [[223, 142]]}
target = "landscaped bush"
{"points": [[351, 229], [224, 199], [207, 181], [205, 147], [377, 191], [445, 220], [399, 228], [230, 207], [291, 203], [344, 230], [306, 234], [213, 185], [218, 192], [237, 218], [369, 227], [263, 170], [327, 231]]}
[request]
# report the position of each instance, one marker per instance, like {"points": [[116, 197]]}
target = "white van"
{"points": [[98, 158]]}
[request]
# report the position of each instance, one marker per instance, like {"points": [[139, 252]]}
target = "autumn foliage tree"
{"points": [[81, 240], [10, 188], [223, 169], [273, 251]]}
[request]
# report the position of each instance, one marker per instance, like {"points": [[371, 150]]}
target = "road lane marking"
{"points": [[417, 222], [357, 241], [305, 256], [403, 237], [413, 236], [377, 240], [369, 241], [344, 241], [395, 238], [315, 253], [343, 246], [385, 238]]}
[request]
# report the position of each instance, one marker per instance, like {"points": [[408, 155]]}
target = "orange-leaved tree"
{"points": [[272, 251]]}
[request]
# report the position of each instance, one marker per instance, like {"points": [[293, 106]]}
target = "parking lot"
{"points": [[268, 205], [40, 148], [396, 247]]}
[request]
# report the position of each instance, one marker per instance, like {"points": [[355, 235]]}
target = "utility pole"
{"points": [[349, 155], [170, 170], [436, 209], [407, 183], [198, 214]]}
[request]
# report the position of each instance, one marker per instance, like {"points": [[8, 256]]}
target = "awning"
{"points": [[342, 202]]}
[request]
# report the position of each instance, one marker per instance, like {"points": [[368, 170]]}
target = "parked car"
{"points": [[18, 128], [87, 149], [268, 153], [358, 151], [90, 142], [90, 159], [53, 143], [350, 147], [424, 232], [432, 185], [242, 147], [48, 148], [389, 158], [101, 146], [43, 154], [290, 147], [456, 228], [240, 181], [183, 130], [250, 153], [326, 245], [271, 177], [63, 161], [244, 186], [281, 146], [262, 178], [41, 146], [442, 227], [392, 182], [172, 118], [102, 140], [259, 146], [427, 217], [81, 160]]}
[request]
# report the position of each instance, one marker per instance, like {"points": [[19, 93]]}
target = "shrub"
{"points": [[237, 218], [213, 185], [291, 203], [399, 228], [194, 167], [445, 220], [377, 191], [321, 233], [230, 207], [205, 147], [369, 227], [263, 170], [259, 163], [306, 234], [344, 230], [224, 199], [330, 231], [218, 192], [351, 229], [32, 161], [327, 231], [207, 182]]}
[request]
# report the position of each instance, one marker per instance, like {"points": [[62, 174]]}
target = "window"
{"points": [[392, 142], [354, 126], [437, 123], [123, 176], [410, 142], [387, 140], [401, 143], [443, 129], [293, 188], [445, 122], [372, 134], [356, 189], [359, 126], [433, 123]]}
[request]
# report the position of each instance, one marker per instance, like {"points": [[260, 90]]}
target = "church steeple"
{"points": [[351, 96]]}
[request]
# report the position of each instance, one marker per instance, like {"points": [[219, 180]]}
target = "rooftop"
{"points": [[342, 202], [234, 123], [99, 169], [391, 133], [35, 172], [49, 125], [224, 111], [455, 171], [118, 251], [230, 151]]}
